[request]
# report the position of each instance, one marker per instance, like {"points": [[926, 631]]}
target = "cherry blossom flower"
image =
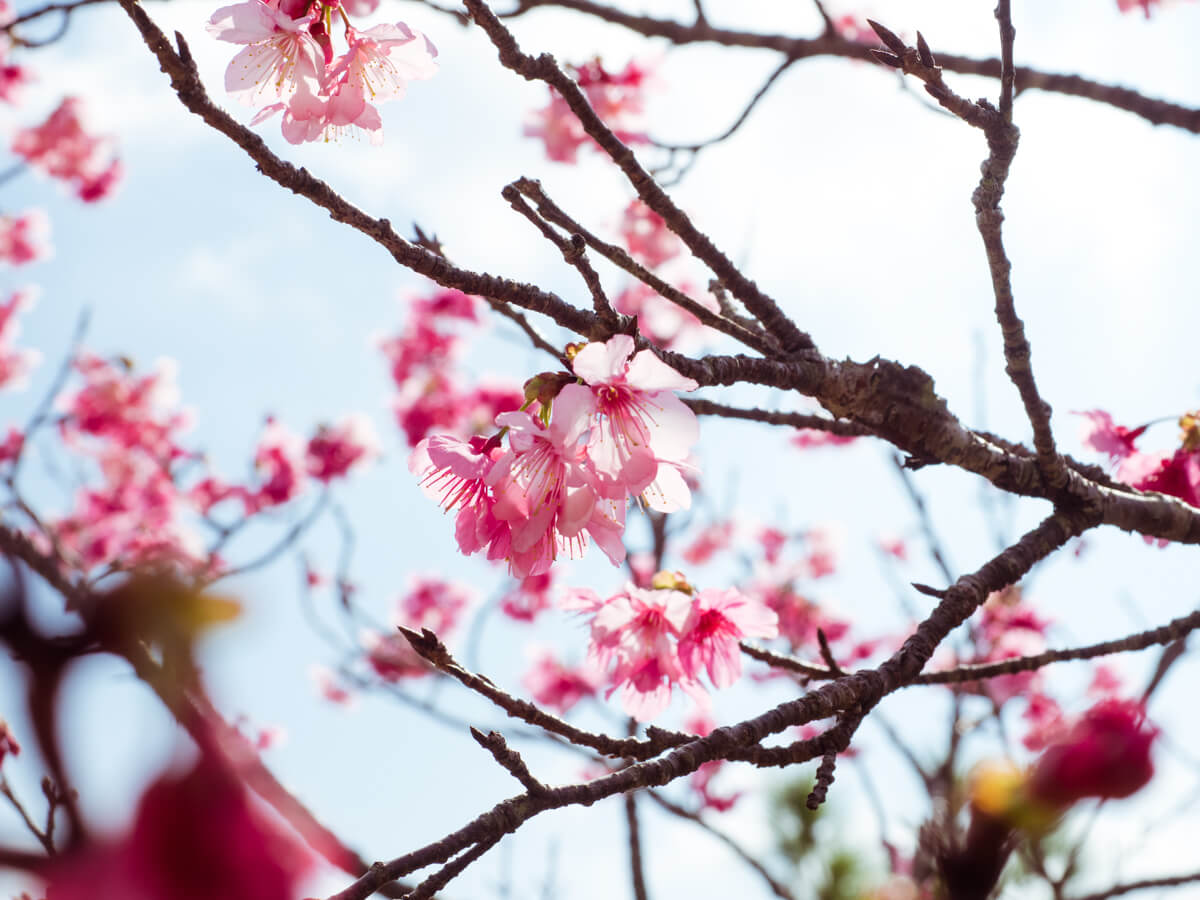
{"points": [[334, 450], [63, 149], [616, 98], [279, 460], [661, 321], [281, 55], [1100, 434], [193, 838], [635, 633], [1106, 754], [25, 238], [717, 621], [15, 363], [700, 781], [12, 445], [383, 59], [805, 438], [855, 29], [708, 543], [529, 597], [545, 493], [641, 423], [773, 541], [556, 686], [646, 235], [327, 684]]}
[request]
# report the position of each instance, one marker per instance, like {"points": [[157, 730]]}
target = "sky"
{"points": [[844, 195]]}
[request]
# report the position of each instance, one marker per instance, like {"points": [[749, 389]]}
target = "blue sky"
{"points": [[843, 196]]}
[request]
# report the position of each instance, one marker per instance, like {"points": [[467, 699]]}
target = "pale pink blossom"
{"points": [[326, 681], [635, 633], [383, 59], [708, 543], [559, 129], [281, 56], [804, 438], [663, 322], [543, 490], [1100, 434], [15, 362], [646, 235], [717, 621], [63, 149], [640, 422]]}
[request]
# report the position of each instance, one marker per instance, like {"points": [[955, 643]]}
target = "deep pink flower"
{"points": [[194, 838], [25, 238], [12, 445], [1176, 474], [8, 743], [556, 686], [334, 450], [1106, 754], [718, 620]]}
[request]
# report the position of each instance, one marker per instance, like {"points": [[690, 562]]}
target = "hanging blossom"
{"points": [[575, 455], [1173, 472], [63, 149], [615, 96], [430, 398], [25, 238], [15, 363], [650, 640], [289, 65]]}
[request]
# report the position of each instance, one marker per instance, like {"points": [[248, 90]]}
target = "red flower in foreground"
{"points": [[195, 838], [1105, 754]]}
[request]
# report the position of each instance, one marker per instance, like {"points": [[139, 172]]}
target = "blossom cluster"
{"points": [[62, 148], [15, 362], [1174, 472], [430, 602], [616, 97], [288, 65], [650, 640], [143, 509], [551, 478], [429, 395]]}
